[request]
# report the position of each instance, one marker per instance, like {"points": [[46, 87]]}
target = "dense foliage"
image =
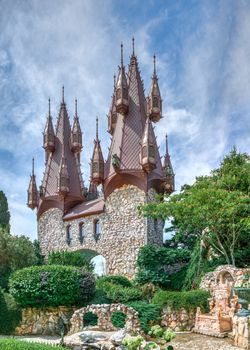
{"points": [[13, 344], [149, 314], [214, 211], [153, 262], [51, 285], [4, 211], [10, 313], [71, 259], [118, 319], [16, 252], [177, 300], [115, 279]]}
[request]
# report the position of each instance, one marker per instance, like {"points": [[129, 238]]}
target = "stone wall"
{"points": [[44, 321], [104, 313], [241, 332], [178, 320], [123, 231]]}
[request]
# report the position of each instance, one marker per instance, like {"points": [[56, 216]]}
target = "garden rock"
{"points": [[118, 337]]}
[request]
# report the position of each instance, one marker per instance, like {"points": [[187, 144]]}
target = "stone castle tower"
{"points": [[72, 218]]}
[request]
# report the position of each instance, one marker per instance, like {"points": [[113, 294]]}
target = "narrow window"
{"points": [[68, 235], [97, 230], [155, 102], [81, 232]]}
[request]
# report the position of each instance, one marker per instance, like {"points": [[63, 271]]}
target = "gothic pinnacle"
{"points": [[121, 55], [133, 46]]}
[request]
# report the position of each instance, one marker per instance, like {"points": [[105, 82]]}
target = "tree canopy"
{"points": [[4, 210]]}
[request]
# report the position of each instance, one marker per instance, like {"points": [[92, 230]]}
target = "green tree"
{"points": [[214, 210], [4, 210]]}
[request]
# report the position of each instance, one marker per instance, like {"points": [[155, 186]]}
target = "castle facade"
{"points": [[72, 218]]}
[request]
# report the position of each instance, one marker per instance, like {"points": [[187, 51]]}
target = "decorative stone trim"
{"points": [[241, 332], [104, 313]]}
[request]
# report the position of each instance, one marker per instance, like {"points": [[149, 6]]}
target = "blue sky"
{"points": [[203, 63]]}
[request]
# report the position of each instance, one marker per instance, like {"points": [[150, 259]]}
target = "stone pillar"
{"points": [[241, 332]]}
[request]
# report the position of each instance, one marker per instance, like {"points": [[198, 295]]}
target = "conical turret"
{"points": [[122, 89], [76, 134], [49, 135], [154, 102], [169, 184], [148, 148], [97, 162], [63, 179], [112, 116], [33, 196]]}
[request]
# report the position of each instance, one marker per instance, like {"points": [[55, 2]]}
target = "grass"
{"points": [[13, 344]]}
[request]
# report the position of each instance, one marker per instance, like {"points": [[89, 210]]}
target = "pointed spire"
{"points": [[133, 46], [63, 94], [76, 133], [148, 148], [154, 102], [112, 116], [97, 161], [49, 134], [169, 185], [32, 202], [63, 179], [122, 89]]}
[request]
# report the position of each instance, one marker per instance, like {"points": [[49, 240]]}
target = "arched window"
{"points": [[96, 229], [155, 102], [81, 232], [68, 235]]}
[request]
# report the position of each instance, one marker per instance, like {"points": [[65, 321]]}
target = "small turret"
{"points": [[169, 185], [49, 135], [148, 148], [122, 89], [97, 161], [154, 102], [76, 134], [112, 116], [63, 179], [33, 196]]}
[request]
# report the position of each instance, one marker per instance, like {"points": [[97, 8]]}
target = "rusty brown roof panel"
{"points": [[85, 209]]}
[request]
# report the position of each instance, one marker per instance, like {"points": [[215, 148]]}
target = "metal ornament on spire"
{"points": [[133, 46], [154, 101], [121, 94], [76, 134], [97, 128], [76, 107], [32, 201], [154, 65], [121, 54], [49, 134], [63, 94]]}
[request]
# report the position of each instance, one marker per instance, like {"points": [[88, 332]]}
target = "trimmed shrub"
{"points": [[149, 314], [10, 314], [98, 298], [118, 319], [13, 344], [51, 285], [177, 300], [71, 259], [115, 279], [120, 294], [90, 319]]}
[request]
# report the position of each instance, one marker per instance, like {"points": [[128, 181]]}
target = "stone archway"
{"points": [[99, 261], [104, 313]]}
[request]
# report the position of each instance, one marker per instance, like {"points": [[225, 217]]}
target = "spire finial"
{"points": [[166, 143], [33, 166], [63, 94], [49, 108], [114, 81], [133, 45], [96, 128], [154, 65], [121, 54], [76, 107]]}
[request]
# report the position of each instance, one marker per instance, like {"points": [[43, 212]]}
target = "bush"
{"points": [[71, 259], [115, 279], [51, 285], [10, 314], [99, 297], [13, 344], [118, 319], [177, 300], [119, 294], [153, 262], [149, 314], [90, 319]]}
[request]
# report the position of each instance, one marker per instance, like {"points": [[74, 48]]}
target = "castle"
{"points": [[72, 218]]}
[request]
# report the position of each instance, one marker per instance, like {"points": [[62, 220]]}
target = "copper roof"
{"points": [[85, 209]]}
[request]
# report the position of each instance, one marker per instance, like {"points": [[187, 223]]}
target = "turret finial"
{"points": [[33, 166], [114, 81], [62, 94], [154, 65], [49, 108], [76, 107], [96, 128], [121, 54], [133, 45], [166, 143]]}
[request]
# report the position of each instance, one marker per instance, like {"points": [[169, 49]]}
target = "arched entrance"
{"points": [[98, 260]]}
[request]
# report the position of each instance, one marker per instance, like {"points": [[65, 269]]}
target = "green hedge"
{"points": [[149, 314], [115, 279], [51, 286], [120, 294], [13, 344], [10, 314], [177, 300], [71, 259], [118, 319]]}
